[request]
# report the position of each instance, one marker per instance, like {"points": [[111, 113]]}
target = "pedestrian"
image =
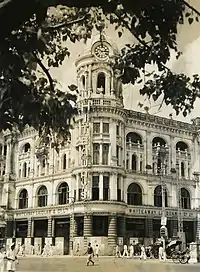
{"points": [[11, 257], [131, 251], [90, 253], [97, 250], [44, 251], [143, 253], [2, 259], [117, 251], [160, 252], [78, 249], [125, 252]]}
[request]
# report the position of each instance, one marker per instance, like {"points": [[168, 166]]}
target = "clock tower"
{"points": [[95, 75], [99, 139]]}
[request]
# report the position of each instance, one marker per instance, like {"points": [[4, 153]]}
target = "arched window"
{"points": [[83, 81], [182, 169], [181, 146], [134, 138], [63, 193], [101, 82], [158, 196], [23, 199], [185, 199], [42, 196], [26, 148], [24, 171], [158, 141], [64, 162], [134, 162], [134, 194]]}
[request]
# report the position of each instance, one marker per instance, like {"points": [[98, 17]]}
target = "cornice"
{"points": [[157, 122]]}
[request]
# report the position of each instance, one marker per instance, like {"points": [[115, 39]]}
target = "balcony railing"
{"points": [[134, 146]]}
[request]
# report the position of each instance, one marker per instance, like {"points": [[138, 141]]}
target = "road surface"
{"points": [[105, 264]]}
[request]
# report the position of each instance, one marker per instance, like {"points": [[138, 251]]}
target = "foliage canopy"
{"points": [[33, 34]]}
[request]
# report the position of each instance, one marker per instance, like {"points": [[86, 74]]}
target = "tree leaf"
{"points": [[190, 20], [119, 34]]}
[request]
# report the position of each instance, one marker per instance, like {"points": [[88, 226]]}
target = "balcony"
{"points": [[131, 146]]}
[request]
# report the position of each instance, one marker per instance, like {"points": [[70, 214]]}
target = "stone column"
{"points": [[53, 227], [49, 229], [71, 233], [130, 161], [75, 227], [87, 231], [113, 186], [101, 186], [100, 153], [29, 230], [122, 187], [32, 227], [149, 148], [112, 233], [198, 227], [14, 228], [90, 78]]}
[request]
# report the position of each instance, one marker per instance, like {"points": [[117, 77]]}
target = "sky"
{"points": [[189, 63]]}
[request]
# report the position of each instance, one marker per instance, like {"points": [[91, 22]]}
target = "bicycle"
{"points": [[180, 257]]}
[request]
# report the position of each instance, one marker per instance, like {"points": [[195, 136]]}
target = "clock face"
{"points": [[101, 51]]}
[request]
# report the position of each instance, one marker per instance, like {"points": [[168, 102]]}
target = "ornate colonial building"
{"points": [[104, 185]]}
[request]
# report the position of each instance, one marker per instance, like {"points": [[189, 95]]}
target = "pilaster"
{"points": [[49, 228], [87, 230], [101, 186], [112, 233]]}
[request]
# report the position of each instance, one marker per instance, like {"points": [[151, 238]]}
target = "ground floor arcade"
{"points": [[66, 231]]}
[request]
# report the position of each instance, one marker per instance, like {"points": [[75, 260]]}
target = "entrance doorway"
{"points": [[62, 227]]}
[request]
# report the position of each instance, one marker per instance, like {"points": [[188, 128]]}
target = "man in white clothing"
{"points": [[125, 252], [143, 253], [11, 257], [131, 251]]}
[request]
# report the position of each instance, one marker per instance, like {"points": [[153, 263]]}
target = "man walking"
{"points": [[90, 253], [125, 252], [11, 257]]}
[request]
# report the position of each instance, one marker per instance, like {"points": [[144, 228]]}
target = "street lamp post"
{"points": [[179, 203], [72, 226], [196, 178], [161, 152]]}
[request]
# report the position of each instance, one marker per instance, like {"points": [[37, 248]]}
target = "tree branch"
{"points": [[191, 7], [45, 70], [65, 24], [138, 39]]}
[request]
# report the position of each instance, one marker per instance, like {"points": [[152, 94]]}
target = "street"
{"points": [[105, 264]]}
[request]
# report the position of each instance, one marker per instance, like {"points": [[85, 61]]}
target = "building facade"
{"points": [[104, 184]]}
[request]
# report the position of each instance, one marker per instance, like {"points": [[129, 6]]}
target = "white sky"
{"points": [[188, 63]]}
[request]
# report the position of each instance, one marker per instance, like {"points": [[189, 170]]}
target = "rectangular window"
{"points": [[96, 148], [96, 127], [100, 226], [117, 130], [106, 128], [95, 188], [105, 154], [118, 189], [79, 195], [118, 155], [105, 187]]}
